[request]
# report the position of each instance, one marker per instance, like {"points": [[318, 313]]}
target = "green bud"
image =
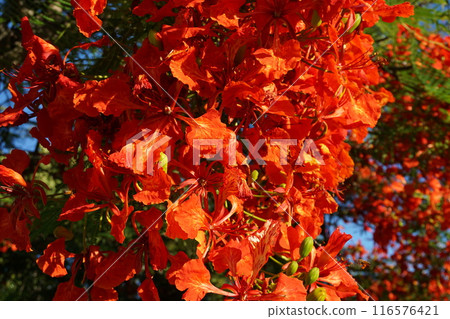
{"points": [[255, 175], [316, 21], [292, 268], [319, 294], [153, 39], [306, 247], [163, 161], [355, 23], [312, 276]]}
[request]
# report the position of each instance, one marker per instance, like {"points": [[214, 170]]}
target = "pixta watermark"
{"points": [[141, 150]]}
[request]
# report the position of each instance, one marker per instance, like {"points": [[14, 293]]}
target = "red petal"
{"points": [[99, 294], [186, 219], [333, 247], [10, 177], [226, 258], [52, 261], [67, 291], [157, 250], [149, 219], [147, 291], [176, 262], [389, 13], [118, 223], [225, 12], [117, 268], [75, 208], [109, 97], [194, 277], [85, 12], [288, 289], [262, 243], [156, 188], [15, 230], [18, 160]]}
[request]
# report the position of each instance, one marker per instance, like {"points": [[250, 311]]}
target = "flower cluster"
{"points": [[404, 193], [223, 69]]}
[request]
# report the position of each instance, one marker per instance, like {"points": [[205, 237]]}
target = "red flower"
{"points": [[52, 261], [26, 196], [86, 12]]}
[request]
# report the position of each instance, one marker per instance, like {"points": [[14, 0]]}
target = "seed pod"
{"points": [[319, 294], [240, 55], [316, 21], [153, 39], [356, 23], [63, 232], [292, 269], [312, 276], [255, 175], [306, 247]]}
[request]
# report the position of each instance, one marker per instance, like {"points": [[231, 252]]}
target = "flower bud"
{"points": [[312, 276], [292, 269], [153, 39], [356, 23], [255, 175], [163, 161], [63, 232], [306, 247], [319, 294]]}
